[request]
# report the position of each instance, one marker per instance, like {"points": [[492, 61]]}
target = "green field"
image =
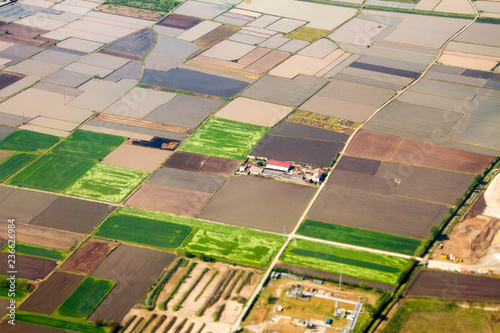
{"points": [[141, 230], [352, 262], [15, 162], [238, 245], [53, 173], [436, 315], [28, 141], [42, 252], [224, 138], [107, 183], [85, 298], [156, 5], [23, 288], [308, 34], [359, 237], [58, 322], [87, 144]]}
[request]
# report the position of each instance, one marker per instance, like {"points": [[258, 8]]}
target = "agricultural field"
{"points": [[15, 162], [335, 259], [59, 323], [138, 230], [90, 145], [28, 141], [107, 183], [307, 34], [224, 138], [87, 257], [31, 268], [163, 6], [42, 252], [85, 298], [196, 294], [360, 237], [437, 315]]}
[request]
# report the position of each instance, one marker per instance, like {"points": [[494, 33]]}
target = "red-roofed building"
{"points": [[278, 165]]}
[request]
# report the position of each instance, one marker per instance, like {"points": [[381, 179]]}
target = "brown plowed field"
{"points": [[168, 199], [179, 21], [336, 277], [121, 54], [51, 293], [431, 155], [6, 79], [22, 34], [71, 214], [42, 236], [202, 163], [30, 268], [372, 144], [134, 269], [86, 258], [454, 286], [140, 13], [215, 36], [355, 164], [22, 327]]}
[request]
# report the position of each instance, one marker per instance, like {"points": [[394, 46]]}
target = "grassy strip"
{"points": [[217, 293], [352, 262], [155, 289], [28, 141], [163, 305], [190, 289], [230, 288], [307, 34], [359, 237], [56, 322], [232, 244], [244, 282], [15, 162], [218, 313], [42, 252], [137, 230], [206, 285]]}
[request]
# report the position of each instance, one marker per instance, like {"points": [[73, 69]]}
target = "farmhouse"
{"points": [[278, 165]]}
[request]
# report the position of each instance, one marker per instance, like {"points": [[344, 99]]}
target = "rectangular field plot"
{"points": [[359, 237], [134, 269], [41, 252], [71, 214], [371, 144], [107, 183], [53, 173], [256, 203], [27, 267], [336, 259], [224, 138], [57, 324], [202, 163], [15, 162], [385, 213], [85, 298], [186, 180], [144, 231], [244, 246], [87, 144], [28, 141], [23, 205], [86, 258], [52, 292]]}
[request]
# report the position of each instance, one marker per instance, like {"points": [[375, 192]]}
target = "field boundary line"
{"points": [[367, 249]]}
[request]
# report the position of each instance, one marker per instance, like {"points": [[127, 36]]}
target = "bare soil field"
{"points": [[179, 21], [6, 79], [361, 165], [258, 203], [140, 13], [25, 35], [141, 123], [51, 293], [168, 199], [86, 258], [215, 36], [331, 276], [134, 269], [267, 62], [42, 236], [371, 144], [186, 180], [454, 285], [375, 211], [30, 268], [22, 327], [71, 214], [24, 205], [136, 157], [362, 181], [202, 163], [435, 156]]}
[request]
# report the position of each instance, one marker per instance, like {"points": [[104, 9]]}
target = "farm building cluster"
{"points": [[282, 170]]}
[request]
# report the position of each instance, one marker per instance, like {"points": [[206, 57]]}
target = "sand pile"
{"points": [[492, 198]]}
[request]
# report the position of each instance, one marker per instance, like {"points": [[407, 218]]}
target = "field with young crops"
{"points": [[15, 162], [360, 237], [239, 245], [87, 144], [336, 259], [107, 183], [38, 251], [51, 172], [144, 231], [86, 297], [28, 141], [224, 138], [57, 322]]}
